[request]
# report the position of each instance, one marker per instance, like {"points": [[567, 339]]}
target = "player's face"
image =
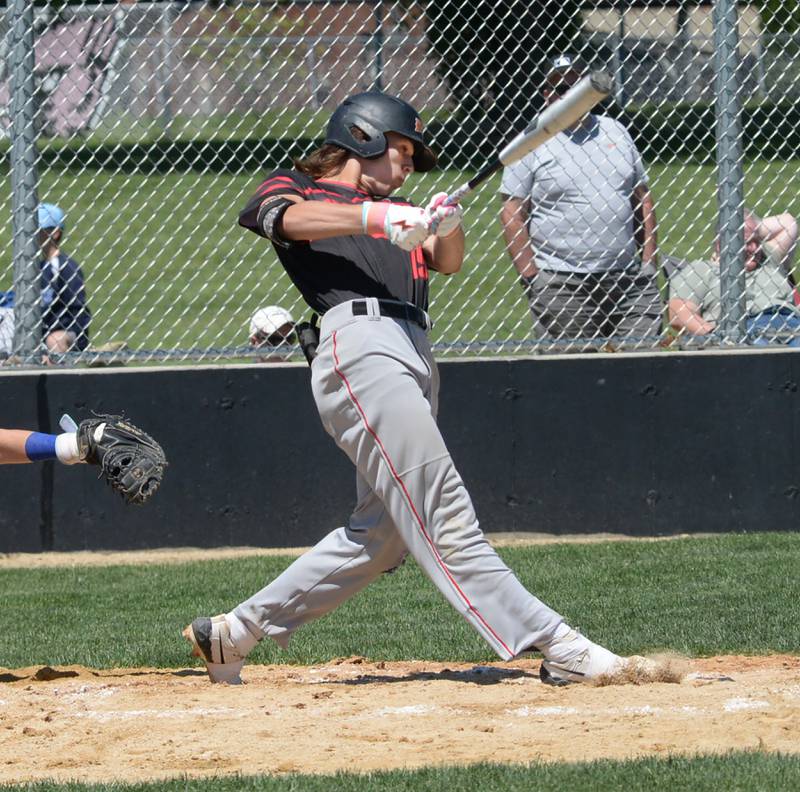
{"points": [[386, 173], [48, 236]]}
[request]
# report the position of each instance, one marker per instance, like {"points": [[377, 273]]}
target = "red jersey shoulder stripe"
{"points": [[278, 183]]}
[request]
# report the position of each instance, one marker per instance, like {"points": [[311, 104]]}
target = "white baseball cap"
{"points": [[269, 320], [565, 64]]}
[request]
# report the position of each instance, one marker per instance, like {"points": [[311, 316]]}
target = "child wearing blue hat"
{"points": [[65, 314]]}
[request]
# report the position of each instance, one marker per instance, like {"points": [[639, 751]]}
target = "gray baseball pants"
{"points": [[375, 384]]}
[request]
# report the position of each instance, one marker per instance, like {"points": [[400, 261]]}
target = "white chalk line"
{"points": [[731, 705], [110, 715]]}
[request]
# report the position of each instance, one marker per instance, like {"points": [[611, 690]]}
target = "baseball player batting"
{"points": [[361, 258]]}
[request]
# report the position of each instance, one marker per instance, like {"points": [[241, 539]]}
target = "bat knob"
{"points": [[602, 82]]}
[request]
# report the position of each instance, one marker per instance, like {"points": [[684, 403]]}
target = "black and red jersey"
{"points": [[331, 271]]}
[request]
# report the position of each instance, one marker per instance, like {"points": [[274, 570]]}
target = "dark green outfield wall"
{"points": [[638, 444]]}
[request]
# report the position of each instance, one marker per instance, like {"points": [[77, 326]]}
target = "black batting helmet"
{"points": [[375, 113]]}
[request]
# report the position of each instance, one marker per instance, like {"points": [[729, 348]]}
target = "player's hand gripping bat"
{"points": [[570, 108]]}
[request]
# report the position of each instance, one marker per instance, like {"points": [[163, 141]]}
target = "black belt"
{"points": [[394, 310]]}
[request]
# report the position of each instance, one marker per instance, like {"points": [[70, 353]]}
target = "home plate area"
{"points": [[353, 715]]}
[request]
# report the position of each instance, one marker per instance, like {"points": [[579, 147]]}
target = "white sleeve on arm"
{"points": [[517, 180], [639, 173]]}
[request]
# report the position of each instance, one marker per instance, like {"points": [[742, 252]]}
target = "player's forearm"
{"points": [[650, 246], [514, 218], [645, 209], [518, 245], [12, 446], [445, 254], [312, 220], [20, 445]]}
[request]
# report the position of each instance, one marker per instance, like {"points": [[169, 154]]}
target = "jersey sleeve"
{"points": [[276, 184], [517, 180], [639, 172]]}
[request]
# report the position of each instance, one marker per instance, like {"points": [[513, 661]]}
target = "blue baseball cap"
{"points": [[50, 216]]}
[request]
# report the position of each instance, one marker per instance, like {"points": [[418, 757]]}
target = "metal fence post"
{"points": [[377, 47], [24, 182], [730, 173], [166, 65], [619, 61]]}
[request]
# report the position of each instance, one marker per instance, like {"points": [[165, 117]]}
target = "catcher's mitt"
{"points": [[129, 459]]}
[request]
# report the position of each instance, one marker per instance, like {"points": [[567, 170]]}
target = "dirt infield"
{"points": [[145, 724], [74, 723]]}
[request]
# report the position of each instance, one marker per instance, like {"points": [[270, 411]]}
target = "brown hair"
{"points": [[327, 159]]}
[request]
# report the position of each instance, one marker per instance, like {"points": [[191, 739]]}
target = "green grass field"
{"points": [[736, 772], [723, 595], [167, 266], [706, 596]]}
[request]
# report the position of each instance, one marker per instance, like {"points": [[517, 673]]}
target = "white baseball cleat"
{"points": [[574, 658], [211, 642]]}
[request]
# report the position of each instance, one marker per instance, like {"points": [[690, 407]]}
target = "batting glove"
{"points": [[444, 219], [405, 226]]}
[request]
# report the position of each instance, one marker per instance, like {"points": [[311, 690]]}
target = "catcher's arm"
{"points": [[12, 446], [19, 446], [130, 461]]}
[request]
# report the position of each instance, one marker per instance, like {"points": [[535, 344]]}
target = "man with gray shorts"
{"points": [[572, 211]]}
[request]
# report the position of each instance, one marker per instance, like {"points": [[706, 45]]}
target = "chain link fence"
{"points": [[667, 221]]}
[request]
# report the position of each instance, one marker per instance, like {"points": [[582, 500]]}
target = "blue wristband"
{"points": [[40, 446]]}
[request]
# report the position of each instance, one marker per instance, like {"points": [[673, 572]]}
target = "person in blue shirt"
{"points": [[65, 314]]}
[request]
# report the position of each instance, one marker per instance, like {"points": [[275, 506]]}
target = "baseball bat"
{"points": [[571, 107]]}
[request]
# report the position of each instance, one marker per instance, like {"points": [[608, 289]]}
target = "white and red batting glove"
{"points": [[405, 226], [444, 219]]}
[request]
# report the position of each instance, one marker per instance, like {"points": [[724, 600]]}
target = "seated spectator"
{"points": [[272, 329], [772, 315], [65, 314]]}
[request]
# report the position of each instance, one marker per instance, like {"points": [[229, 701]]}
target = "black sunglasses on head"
{"points": [[276, 339]]}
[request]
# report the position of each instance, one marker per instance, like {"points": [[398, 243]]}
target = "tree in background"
{"points": [[493, 53], [781, 16]]}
